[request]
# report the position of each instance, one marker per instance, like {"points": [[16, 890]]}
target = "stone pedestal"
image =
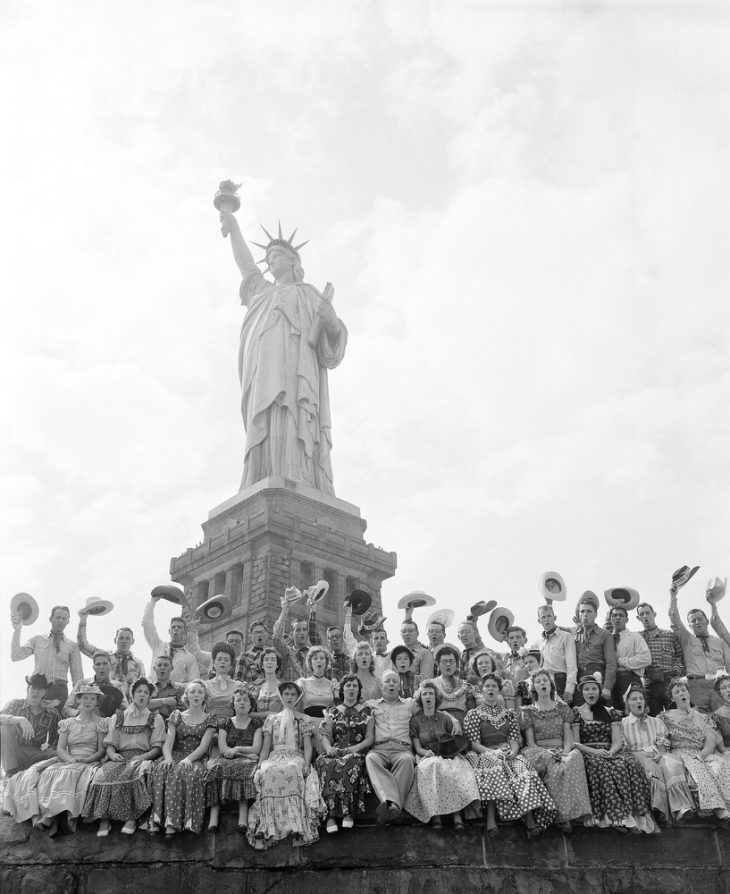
{"points": [[275, 535]]}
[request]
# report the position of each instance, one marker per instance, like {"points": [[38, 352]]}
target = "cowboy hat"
{"points": [[416, 599], [555, 578], [25, 607], [38, 681], [443, 616], [449, 746], [622, 597], [716, 588], [360, 601], [371, 622], [683, 575], [96, 606], [482, 608], [89, 689], [293, 594], [217, 608], [500, 621], [169, 592], [316, 592]]}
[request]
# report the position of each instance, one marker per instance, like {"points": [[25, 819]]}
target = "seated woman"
{"points": [[318, 692], [287, 801], [62, 785], [646, 738], [507, 784], [547, 726], [120, 789], [692, 766], [346, 734], [722, 715], [524, 693], [456, 695], [178, 794], [618, 788], [363, 664], [268, 699], [221, 686], [230, 777], [443, 785]]}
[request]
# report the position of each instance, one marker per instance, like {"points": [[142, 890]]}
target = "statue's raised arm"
{"points": [[290, 337]]}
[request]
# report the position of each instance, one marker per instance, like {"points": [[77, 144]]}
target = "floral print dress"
{"points": [[343, 778], [618, 788], [231, 779]]}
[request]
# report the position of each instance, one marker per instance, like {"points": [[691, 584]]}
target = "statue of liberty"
{"points": [[290, 337]]}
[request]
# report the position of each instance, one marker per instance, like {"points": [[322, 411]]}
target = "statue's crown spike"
{"points": [[280, 240]]}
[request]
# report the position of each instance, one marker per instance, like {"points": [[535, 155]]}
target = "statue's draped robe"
{"points": [[284, 393]]}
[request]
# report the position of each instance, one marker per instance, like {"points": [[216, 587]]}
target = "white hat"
{"points": [[25, 606]]}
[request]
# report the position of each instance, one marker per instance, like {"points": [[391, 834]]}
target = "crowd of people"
{"points": [[596, 726]]}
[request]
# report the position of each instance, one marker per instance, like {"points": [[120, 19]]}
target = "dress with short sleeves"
{"points": [[178, 790], [564, 774], [343, 780], [231, 779], [512, 783], [122, 790], [287, 801], [619, 790], [63, 787]]}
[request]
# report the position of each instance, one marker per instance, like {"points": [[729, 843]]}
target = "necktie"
{"points": [[616, 638], [123, 663], [705, 642]]}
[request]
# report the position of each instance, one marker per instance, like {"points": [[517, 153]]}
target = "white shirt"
{"points": [[632, 652], [558, 656]]}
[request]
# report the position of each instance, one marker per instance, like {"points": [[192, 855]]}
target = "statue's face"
{"points": [[279, 261]]}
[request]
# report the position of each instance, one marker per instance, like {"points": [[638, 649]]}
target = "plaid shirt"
{"points": [[667, 658], [44, 723], [293, 660]]}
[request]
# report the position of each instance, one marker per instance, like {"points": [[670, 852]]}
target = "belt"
{"points": [[63, 682], [700, 676], [398, 741]]}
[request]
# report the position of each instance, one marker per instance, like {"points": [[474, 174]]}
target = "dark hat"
{"points": [[398, 650], [217, 608], [111, 700], [622, 597], [169, 592], [481, 608], [684, 574], [37, 681], [290, 683], [596, 678], [360, 601], [450, 746]]}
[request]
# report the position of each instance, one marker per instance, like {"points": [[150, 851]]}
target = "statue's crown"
{"points": [[281, 241]]}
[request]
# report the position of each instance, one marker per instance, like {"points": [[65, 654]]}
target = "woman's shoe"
{"points": [[129, 828], [332, 826], [348, 822], [103, 830], [170, 831]]}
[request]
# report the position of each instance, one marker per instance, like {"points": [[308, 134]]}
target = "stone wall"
{"points": [[369, 860]]}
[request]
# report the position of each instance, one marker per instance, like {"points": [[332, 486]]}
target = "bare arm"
{"points": [[718, 626]]}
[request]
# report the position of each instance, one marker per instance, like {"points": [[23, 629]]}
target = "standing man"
{"points": [[558, 653], [304, 634], [513, 662], [248, 666], [30, 730], [423, 659], [113, 690], [184, 663], [55, 656], [667, 659], [125, 666], [595, 649], [168, 695], [390, 762], [632, 655], [703, 654], [340, 664], [436, 633]]}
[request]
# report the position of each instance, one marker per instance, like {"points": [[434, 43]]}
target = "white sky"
{"points": [[524, 209]]}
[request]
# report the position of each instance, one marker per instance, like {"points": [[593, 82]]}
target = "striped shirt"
{"points": [[54, 664]]}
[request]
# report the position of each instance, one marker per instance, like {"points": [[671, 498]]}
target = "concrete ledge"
{"points": [[403, 859]]}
